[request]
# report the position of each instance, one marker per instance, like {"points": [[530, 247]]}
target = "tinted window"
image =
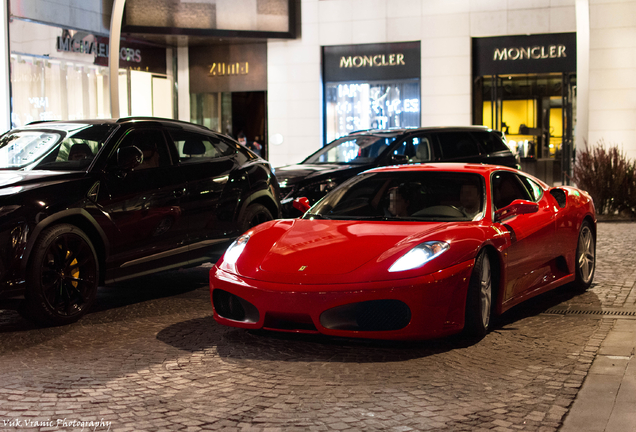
{"points": [[151, 143], [535, 190], [417, 149], [490, 142], [506, 187], [457, 145], [193, 146]]}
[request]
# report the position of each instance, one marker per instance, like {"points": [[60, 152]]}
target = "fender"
{"points": [[255, 196], [52, 219]]}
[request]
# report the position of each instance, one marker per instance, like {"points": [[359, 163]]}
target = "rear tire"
{"points": [[585, 257], [478, 314], [254, 215], [62, 276]]}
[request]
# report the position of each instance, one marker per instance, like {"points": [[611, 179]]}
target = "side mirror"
{"points": [[517, 207], [129, 158], [301, 204]]}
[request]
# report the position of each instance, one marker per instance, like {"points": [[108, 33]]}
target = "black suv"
{"points": [[362, 150], [93, 202]]}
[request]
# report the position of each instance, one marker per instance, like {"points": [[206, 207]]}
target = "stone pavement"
{"points": [[607, 399], [151, 357]]}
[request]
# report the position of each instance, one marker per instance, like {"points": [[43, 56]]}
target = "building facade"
{"points": [[555, 75], [588, 101]]}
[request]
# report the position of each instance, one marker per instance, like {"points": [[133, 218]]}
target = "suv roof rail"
{"points": [[133, 118], [39, 121]]}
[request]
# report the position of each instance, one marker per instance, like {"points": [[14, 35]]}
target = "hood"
{"points": [[292, 174], [303, 251], [25, 179]]}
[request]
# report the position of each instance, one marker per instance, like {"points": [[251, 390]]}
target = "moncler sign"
{"points": [[530, 53], [524, 54], [372, 60]]}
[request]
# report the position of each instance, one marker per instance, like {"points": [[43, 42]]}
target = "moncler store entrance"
{"points": [[525, 86]]}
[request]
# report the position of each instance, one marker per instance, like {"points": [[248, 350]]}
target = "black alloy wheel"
{"points": [[254, 215], [63, 275]]}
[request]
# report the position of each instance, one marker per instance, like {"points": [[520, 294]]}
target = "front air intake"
{"points": [[232, 307], [373, 315]]}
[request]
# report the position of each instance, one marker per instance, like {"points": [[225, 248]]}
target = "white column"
{"points": [[582, 73], [116, 18], [183, 83], [5, 99]]}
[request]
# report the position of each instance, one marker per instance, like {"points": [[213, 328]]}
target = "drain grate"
{"points": [[606, 312]]}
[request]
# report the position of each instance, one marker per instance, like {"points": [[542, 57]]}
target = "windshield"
{"points": [[406, 195], [64, 148], [358, 149]]}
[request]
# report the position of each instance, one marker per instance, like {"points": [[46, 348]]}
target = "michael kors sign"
{"points": [[544, 53], [92, 46]]}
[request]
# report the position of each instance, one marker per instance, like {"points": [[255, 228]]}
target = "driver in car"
{"points": [[470, 200]]}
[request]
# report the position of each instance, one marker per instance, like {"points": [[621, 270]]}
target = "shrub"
{"points": [[608, 176]]}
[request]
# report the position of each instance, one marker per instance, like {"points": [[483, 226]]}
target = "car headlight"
{"points": [[235, 250], [419, 255]]}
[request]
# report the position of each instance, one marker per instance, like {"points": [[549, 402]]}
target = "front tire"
{"points": [[478, 312], [62, 276], [255, 214], [585, 257]]}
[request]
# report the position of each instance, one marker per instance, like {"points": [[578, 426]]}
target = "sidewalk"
{"points": [[607, 399]]}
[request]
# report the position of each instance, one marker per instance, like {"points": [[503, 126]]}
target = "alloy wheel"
{"points": [[485, 292], [586, 255], [68, 275]]}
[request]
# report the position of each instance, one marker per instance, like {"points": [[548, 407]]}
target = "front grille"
{"points": [[291, 321], [232, 307], [373, 315]]}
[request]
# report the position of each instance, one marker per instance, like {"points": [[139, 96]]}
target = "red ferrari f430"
{"points": [[409, 252]]}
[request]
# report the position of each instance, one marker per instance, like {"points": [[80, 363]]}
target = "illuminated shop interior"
{"points": [[535, 112], [352, 106]]}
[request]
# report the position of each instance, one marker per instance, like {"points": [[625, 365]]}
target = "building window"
{"points": [[352, 106]]}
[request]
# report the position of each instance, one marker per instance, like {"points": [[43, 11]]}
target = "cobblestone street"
{"points": [[151, 357]]}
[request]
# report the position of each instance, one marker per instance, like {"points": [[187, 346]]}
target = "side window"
{"points": [[490, 142], [417, 148], [194, 147], [535, 190], [506, 187], [152, 144], [457, 145]]}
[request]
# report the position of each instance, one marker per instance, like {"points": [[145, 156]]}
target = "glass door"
{"points": [[535, 112]]}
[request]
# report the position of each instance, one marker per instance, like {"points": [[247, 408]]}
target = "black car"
{"points": [[362, 150], [93, 202]]}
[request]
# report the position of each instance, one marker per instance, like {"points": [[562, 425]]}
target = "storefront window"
{"points": [[373, 105], [56, 90]]}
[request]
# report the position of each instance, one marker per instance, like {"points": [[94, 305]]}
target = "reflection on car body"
{"points": [[99, 201], [361, 264], [362, 150]]}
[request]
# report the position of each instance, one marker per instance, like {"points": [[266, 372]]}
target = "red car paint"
{"points": [[294, 271]]}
